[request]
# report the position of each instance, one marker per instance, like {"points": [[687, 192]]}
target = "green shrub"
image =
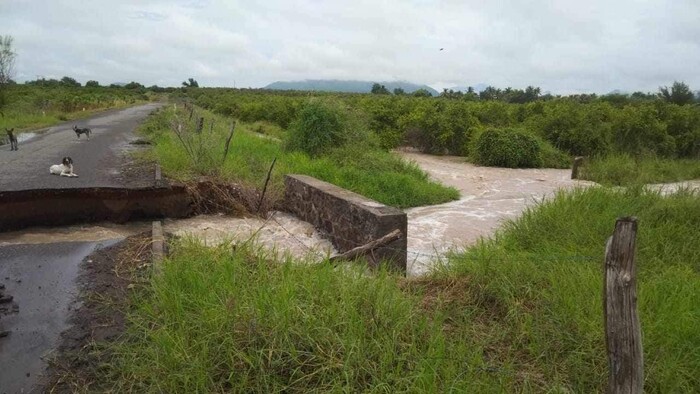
{"points": [[323, 125], [507, 147]]}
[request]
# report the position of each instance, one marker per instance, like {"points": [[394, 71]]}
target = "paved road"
{"points": [[42, 280], [98, 162]]}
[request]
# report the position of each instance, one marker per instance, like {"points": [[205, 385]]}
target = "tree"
{"points": [[679, 93], [7, 59], [92, 84], [133, 85], [190, 83], [7, 67], [70, 82], [422, 93], [399, 92], [379, 89], [490, 93]]}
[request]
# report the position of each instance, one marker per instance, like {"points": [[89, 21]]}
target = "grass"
{"points": [[545, 270], [624, 170], [373, 173], [519, 312]]}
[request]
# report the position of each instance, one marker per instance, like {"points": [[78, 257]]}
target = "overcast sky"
{"points": [[563, 46]]}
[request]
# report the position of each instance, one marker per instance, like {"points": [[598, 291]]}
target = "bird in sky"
{"points": [[442, 49]]}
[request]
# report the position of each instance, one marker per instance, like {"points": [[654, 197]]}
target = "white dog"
{"points": [[63, 169]]}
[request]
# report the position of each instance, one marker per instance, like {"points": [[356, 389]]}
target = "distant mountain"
{"points": [[333, 85]]}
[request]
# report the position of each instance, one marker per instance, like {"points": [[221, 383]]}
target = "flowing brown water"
{"points": [[489, 196]]}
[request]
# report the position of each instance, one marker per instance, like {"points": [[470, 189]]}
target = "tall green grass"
{"points": [[371, 172], [623, 170], [521, 312], [219, 320], [545, 270]]}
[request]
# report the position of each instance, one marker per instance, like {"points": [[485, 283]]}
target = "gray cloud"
{"points": [[563, 46]]}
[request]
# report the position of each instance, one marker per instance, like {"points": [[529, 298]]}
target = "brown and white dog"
{"points": [[63, 169]]}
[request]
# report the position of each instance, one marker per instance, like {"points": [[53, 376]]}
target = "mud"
{"points": [[41, 279], [107, 277], [489, 196]]}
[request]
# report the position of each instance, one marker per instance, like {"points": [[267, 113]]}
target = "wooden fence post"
{"points": [[574, 169], [623, 335]]}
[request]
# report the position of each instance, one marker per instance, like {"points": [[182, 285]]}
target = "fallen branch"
{"points": [[366, 248]]}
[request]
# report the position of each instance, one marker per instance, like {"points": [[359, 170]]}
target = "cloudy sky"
{"points": [[563, 46]]}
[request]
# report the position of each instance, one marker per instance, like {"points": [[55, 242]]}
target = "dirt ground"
{"points": [[105, 284]]}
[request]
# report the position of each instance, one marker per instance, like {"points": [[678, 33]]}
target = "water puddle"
{"points": [[21, 138]]}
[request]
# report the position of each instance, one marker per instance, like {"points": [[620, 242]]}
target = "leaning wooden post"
{"points": [[574, 169], [623, 335]]}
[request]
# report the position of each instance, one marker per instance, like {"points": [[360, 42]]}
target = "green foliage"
{"points": [[625, 170], [356, 166], [70, 82], [639, 131], [508, 147], [37, 105], [679, 93], [323, 125], [190, 83], [585, 125], [422, 93], [92, 84], [379, 89]]}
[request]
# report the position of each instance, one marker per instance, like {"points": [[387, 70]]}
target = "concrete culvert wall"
{"points": [[350, 219]]}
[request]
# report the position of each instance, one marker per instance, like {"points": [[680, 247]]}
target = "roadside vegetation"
{"points": [[553, 130], [35, 105], [519, 312], [324, 141], [627, 170]]}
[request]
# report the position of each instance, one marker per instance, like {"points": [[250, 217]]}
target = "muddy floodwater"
{"points": [[279, 233], [489, 196]]}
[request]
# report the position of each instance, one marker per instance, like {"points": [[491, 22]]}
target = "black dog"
{"points": [[85, 131], [13, 139]]}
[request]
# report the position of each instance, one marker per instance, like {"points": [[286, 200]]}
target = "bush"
{"points": [[323, 125], [507, 147]]}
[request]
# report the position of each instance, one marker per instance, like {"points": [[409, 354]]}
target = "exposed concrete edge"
{"points": [[349, 219], [157, 246]]}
